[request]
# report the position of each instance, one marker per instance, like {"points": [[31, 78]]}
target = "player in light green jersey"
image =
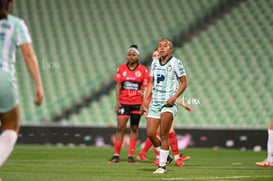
{"points": [[13, 34], [166, 73]]}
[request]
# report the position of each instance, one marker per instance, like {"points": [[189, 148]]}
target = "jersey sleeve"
{"points": [[152, 69], [118, 75], [180, 70], [22, 34]]}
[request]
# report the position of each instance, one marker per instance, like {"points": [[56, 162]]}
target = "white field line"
{"points": [[215, 178]]}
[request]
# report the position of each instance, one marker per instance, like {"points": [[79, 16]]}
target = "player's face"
{"points": [[164, 48], [132, 57], [155, 55]]}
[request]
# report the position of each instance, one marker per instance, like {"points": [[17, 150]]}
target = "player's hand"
{"points": [[117, 108], [39, 96], [188, 108], [170, 102]]}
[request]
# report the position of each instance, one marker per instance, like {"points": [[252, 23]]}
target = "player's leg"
{"points": [[157, 155], [166, 119], [122, 121], [174, 147], [135, 118], [10, 129], [147, 146]]}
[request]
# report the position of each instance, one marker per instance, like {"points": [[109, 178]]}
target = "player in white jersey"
{"points": [[166, 72], [13, 34]]}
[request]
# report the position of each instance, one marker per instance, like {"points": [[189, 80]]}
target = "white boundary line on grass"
{"points": [[206, 178]]}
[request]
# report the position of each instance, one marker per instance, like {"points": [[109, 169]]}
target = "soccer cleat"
{"points": [[184, 158], [264, 164], [131, 159], [160, 170], [114, 159], [179, 163], [156, 162], [142, 157], [169, 159]]}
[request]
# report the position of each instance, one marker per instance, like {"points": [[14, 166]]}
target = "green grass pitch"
{"points": [[51, 163]]}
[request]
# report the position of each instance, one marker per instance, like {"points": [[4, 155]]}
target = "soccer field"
{"points": [[43, 163]]}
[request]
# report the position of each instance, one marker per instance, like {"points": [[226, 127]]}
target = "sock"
{"points": [[118, 145], [132, 148], [176, 157], [157, 149], [7, 141], [270, 146], [156, 152], [163, 157], [174, 145], [146, 147]]}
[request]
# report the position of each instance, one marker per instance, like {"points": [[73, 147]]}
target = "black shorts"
{"points": [[132, 111]]}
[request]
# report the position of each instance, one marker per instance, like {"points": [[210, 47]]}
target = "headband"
{"points": [[169, 41], [134, 49]]}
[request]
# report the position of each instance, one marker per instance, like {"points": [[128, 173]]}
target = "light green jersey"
{"points": [[13, 33], [166, 79]]}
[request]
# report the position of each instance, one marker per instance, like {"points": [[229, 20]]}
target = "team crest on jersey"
{"points": [[124, 73], [169, 68], [138, 73]]}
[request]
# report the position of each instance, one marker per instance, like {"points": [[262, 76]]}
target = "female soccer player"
{"points": [[172, 137], [131, 80], [269, 161], [165, 75], [14, 33]]}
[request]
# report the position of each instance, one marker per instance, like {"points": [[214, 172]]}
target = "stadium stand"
{"points": [[80, 45]]}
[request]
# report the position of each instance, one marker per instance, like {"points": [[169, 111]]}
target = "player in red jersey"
{"points": [[131, 80], [172, 136]]}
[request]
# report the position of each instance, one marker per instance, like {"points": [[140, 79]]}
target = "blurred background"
{"points": [[225, 46]]}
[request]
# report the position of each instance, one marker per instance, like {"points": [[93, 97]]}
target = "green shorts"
{"points": [[8, 92], [155, 110]]}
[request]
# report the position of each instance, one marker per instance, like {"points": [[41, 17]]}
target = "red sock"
{"points": [[118, 145], [156, 152], [146, 147], [173, 143], [132, 148]]}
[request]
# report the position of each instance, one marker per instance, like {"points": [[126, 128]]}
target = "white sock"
{"points": [[270, 146], [163, 157], [7, 141], [176, 157]]}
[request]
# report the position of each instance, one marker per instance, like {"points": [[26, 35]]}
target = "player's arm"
{"points": [[148, 93], [32, 64], [181, 89], [118, 89], [180, 102]]}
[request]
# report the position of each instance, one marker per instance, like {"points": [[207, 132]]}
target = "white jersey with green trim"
{"points": [[13, 33], [166, 79]]}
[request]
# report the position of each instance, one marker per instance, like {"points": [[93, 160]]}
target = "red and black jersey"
{"points": [[132, 81]]}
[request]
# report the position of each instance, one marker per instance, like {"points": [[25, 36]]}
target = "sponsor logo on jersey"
{"points": [[130, 85], [160, 78], [121, 110], [169, 68], [124, 73], [138, 73]]}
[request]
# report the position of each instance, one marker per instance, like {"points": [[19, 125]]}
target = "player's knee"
{"points": [[134, 129], [121, 129]]}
